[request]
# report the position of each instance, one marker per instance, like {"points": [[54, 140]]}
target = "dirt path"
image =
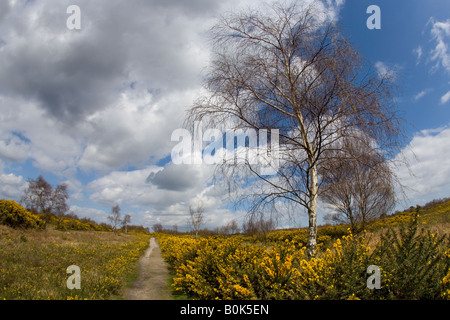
{"points": [[152, 283]]}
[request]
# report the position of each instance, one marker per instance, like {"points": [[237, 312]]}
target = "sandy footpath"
{"points": [[152, 283]]}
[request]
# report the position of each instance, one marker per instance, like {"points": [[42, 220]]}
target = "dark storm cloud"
{"points": [[73, 73], [68, 75], [175, 177]]}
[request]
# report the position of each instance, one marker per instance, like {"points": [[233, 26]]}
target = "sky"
{"points": [[95, 107]]}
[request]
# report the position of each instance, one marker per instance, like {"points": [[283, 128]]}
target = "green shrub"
{"points": [[66, 223], [14, 215], [414, 263]]}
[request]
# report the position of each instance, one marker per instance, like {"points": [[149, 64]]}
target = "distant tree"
{"points": [[40, 197], [234, 228], [125, 221], [114, 217], [230, 228], [59, 200], [435, 202], [72, 215], [157, 227], [254, 226], [197, 217]]}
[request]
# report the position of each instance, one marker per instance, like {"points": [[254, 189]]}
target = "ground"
{"points": [[152, 283]]}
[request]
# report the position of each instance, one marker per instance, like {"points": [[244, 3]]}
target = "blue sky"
{"points": [[406, 26], [95, 108]]}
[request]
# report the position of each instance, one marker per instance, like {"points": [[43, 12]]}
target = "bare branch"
{"points": [[287, 68]]}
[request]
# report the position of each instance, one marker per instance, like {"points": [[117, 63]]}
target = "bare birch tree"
{"points": [[126, 221], [41, 197], [59, 199], [158, 227], [360, 188], [114, 218], [290, 69], [197, 217]]}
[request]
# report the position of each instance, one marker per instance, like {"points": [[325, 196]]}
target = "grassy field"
{"points": [[33, 263], [414, 258]]}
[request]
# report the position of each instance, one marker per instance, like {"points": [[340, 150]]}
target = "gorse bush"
{"points": [[338, 272], [14, 215], [413, 265], [67, 223], [414, 262]]}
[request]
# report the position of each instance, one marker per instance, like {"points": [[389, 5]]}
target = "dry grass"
{"points": [[33, 263]]}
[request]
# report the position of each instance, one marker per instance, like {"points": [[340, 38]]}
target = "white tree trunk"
{"points": [[312, 213]]}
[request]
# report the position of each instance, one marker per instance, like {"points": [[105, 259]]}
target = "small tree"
{"points": [[254, 226], [59, 200], [125, 221], [230, 228], [114, 217], [157, 227], [40, 197], [233, 226], [359, 188], [197, 217]]}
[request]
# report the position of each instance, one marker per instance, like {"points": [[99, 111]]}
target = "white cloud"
{"points": [[440, 33], [120, 187], [156, 186], [445, 98], [13, 148], [95, 214], [28, 134], [134, 129], [108, 95], [156, 197], [418, 52], [384, 71], [12, 186], [107, 98], [428, 155], [422, 94]]}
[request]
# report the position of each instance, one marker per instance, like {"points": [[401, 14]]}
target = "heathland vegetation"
{"points": [[34, 263], [334, 136], [38, 245], [411, 249]]}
